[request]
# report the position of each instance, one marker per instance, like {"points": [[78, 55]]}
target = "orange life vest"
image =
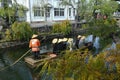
{"points": [[34, 44]]}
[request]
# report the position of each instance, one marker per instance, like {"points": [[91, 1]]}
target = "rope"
{"points": [[15, 61]]}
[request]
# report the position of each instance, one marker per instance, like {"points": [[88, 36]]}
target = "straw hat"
{"points": [[60, 40], [79, 36], [64, 39], [70, 39], [83, 37], [34, 36], [54, 40]]}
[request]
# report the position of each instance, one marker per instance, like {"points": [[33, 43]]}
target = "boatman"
{"points": [[34, 44]]}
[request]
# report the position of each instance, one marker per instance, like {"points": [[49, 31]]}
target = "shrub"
{"points": [[8, 36], [103, 27], [21, 31], [72, 66], [56, 28], [64, 27]]}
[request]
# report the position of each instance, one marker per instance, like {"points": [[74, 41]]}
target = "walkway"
{"points": [[50, 23]]}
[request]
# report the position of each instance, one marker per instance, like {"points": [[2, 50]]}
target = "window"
{"points": [[38, 11], [69, 11], [58, 11]]}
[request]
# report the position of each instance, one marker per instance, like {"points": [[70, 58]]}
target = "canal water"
{"points": [[19, 71]]}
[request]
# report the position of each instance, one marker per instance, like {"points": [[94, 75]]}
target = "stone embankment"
{"points": [[12, 44], [42, 37], [18, 43]]}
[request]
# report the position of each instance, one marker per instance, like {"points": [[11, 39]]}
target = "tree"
{"points": [[105, 7], [10, 12], [119, 7], [82, 8], [19, 31], [82, 11]]}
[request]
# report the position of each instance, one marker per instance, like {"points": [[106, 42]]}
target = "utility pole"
{"points": [[77, 14]]}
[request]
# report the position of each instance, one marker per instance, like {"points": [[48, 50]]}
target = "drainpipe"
{"points": [[30, 9]]}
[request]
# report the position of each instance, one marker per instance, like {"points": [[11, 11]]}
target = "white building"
{"points": [[54, 11]]}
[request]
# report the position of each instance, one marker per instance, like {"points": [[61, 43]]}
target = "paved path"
{"points": [[50, 23]]}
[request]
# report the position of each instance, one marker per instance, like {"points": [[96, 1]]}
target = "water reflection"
{"points": [[17, 72]]}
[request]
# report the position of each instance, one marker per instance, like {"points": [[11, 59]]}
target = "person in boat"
{"points": [[89, 42], [77, 41], [70, 44], [82, 42], [34, 44], [96, 45], [64, 42], [55, 42], [59, 45]]}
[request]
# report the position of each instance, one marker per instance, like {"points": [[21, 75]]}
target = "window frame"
{"points": [[59, 12], [38, 12]]}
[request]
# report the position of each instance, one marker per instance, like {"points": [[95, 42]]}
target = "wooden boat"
{"points": [[34, 62]]}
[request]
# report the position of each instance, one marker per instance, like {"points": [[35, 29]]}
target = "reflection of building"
{"points": [[52, 11]]}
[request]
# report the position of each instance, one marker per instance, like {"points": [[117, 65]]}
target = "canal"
{"points": [[19, 71]]}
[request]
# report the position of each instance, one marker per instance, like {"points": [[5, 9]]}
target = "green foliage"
{"points": [[119, 7], [8, 36], [21, 31], [64, 27], [9, 14], [72, 66], [104, 7], [56, 28], [84, 26], [102, 28]]}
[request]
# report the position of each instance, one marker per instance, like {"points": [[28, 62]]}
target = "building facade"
{"points": [[48, 10]]}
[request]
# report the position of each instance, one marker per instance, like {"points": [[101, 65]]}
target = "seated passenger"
{"points": [[70, 44], [77, 41], [54, 42]]}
